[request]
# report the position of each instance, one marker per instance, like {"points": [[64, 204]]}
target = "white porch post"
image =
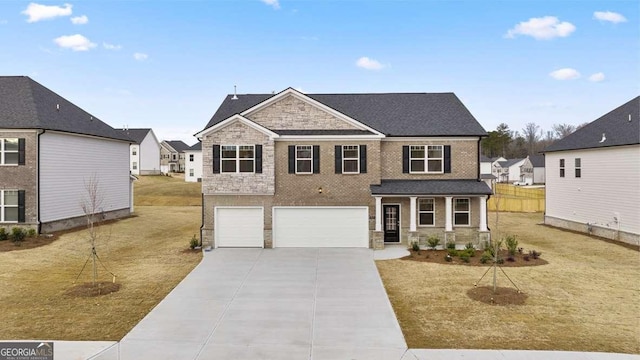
{"points": [[483, 213], [448, 213], [378, 213], [412, 217]]}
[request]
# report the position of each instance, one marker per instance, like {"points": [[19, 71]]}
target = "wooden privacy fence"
{"points": [[518, 191], [516, 199]]}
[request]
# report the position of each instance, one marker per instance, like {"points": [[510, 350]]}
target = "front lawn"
{"points": [[587, 298]]}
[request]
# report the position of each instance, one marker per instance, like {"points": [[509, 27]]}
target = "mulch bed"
{"points": [[90, 290], [438, 257], [503, 295], [191, 251], [28, 243]]}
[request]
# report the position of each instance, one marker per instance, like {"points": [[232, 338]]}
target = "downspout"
{"points": [[40, 132], [202, 216], [479, 140]]}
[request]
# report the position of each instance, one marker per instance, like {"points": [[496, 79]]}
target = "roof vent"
{"points": [[235, 97], [57, 107], [604, 138], [629, 117]]}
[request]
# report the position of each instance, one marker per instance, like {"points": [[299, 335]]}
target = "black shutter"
{"points": [[405, 159], [21, 156], [292, 159], [316, 159], [447, 158], [258, 159], [216, 159], [363, 159], [338, 159], [21, 206]]}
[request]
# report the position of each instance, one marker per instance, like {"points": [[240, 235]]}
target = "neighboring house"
{"points": [[592, 177], [172, 156], [193, 163], [532, 169], [50, 149], [144, 154], [507, 170], [342, 170]]}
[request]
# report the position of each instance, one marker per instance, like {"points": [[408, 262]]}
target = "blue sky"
{"points": [[168, 64]]}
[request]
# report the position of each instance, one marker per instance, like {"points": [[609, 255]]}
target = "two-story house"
{"points": [[50, 151], [532, 170], [193, 163], [172, 155], [593, 177], [507, 170], [341, 170], [144, 152]]}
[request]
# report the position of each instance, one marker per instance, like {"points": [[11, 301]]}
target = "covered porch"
{"points": [[408, 211]]}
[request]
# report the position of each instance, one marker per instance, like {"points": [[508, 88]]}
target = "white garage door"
{"points": [[321, 227], [239, 227]]}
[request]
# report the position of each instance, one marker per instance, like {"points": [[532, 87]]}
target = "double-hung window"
{"points": [[561, 167], [462, 212], [134, 151], [9, 152], [304, 159], [426, 212], [578, 167], [351, 159], [9, 206], [135, 166], [238, 158], [426, 159]]}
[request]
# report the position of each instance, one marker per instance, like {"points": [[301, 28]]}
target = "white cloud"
{"points": [[609, 16], [37, 12], [111, 46], [543, 28], [274, 3], [369, 64], [80, 20], [75, 42], [597, 77], [140, 56], [565, 74]]}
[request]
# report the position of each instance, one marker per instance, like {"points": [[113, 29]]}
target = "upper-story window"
{"points": [[191, 157], [578, 167], [135, 166], [426, 212], [304, 159], [561, 167], [426, 159], [237, 158], [9, 151], [350, 159], [173, 156], [134, 151], [9, 206]]}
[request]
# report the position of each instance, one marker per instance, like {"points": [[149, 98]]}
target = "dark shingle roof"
{"points": [[431, 187], [508, 163], [177, 145], [487, 176], [136, 135], [322, 132], [26, 104], [620, 126], [196, 147], [537, 160], [485, 159], [394, 114]]}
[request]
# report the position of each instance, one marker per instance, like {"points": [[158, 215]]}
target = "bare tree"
{"points": [[92, 208], [562, 130], [532, 134]]}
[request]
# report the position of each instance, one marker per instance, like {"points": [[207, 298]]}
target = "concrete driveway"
{"points": [[273, 304]]}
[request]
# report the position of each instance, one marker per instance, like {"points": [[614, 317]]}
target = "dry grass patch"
{"points": [[145, 252], [586, 299], [167, 191]]}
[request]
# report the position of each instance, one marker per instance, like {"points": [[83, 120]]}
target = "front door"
{"points": [[391, 223]]}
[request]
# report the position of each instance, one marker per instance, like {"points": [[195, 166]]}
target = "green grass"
{"points": [[166, 191]]}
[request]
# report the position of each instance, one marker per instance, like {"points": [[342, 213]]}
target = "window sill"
{"points": [[350, 173], [427, 226], [426, 173]]}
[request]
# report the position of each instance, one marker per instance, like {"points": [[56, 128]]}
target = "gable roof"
{"points": [[26, 104], [508, 163], [431, 187], [177, 145], [136, 135], [537, 160], [485, 159], [621, 126], [195, 147], [394, 114]]}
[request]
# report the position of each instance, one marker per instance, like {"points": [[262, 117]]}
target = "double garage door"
{"points": [[293, 226]]}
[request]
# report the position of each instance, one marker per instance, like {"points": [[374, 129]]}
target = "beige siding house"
{"points": [[593, 177], [341, 170]]}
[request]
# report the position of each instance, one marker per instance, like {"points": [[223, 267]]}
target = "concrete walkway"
{"points": [[273, 304]]}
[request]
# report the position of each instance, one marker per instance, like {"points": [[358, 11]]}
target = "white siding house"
{"points": [[508, 170], [144, 153], [593, 177], [193, 163]]}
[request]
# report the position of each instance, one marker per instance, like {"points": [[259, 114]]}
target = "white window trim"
{"points": [[237, 159], [461, 212], [304, 159], [357, 158], [562, 165], [426, 159], [134, 165], [191, 172], [427, 212], [3, 151], [3, 206], [577, 167]]}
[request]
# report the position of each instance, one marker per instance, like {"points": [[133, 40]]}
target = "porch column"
{"points": [[378, 213], [483, 213], [448, 213], [412, 217]]}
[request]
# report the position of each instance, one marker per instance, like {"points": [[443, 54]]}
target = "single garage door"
{"points": [[321, 226], [239, 227]]}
